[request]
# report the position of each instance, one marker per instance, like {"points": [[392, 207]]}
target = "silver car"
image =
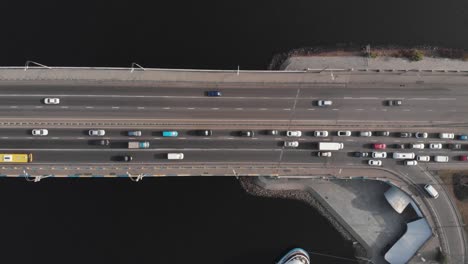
{"points": [[291, 144], [293, 133], [344, 133], [97, 132], [321, 133]]}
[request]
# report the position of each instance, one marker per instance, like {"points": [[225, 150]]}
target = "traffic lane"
{"points": [[154, 144], [63, 88], [151, 156], [104, 89]]}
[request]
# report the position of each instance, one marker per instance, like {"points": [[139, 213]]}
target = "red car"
{"points": [[380, 146], [463, 158]]}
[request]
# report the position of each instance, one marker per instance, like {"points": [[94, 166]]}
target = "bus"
{"points": [[16, 158]]}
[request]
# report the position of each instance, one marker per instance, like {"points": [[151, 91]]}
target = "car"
{"points": [[247, 133], [383, 133], [463, 137], [365, 133], [321, 133], [447, 135], [40, 132], [441, 158], [170, 133], [431, 191], [405, 134], [411, 163], [293, 133], [291, 144], [205, 133], [213, 93], [344, 133], [455, 146], [418, 146], [380, 146], [324, 154], [463, 158], [375, 162], [421, 135], [423, 158], [51, 101], [394, 102], [361, 154], [435, 146], [403, 155], [103, 142], [400, 146], [135, 133], [125, 158], [97, 132], [324, 102], [379, 155], [273, 132]]}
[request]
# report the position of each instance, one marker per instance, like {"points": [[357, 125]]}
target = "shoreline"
{"points": [[416, 53], [254, 189]]}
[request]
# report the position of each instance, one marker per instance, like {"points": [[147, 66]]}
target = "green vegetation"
{"points": [[413, 54]]}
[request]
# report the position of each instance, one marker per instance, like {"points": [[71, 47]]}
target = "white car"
{"points": [[53, 101], [423, 158], [97, 132], [324, 154], [375, 162], [40, 132], [421, 135], [321, 133], [324, 103], [418, 146], [435, 146], [365, 134], [379, 155], [411, 163], [293, 133], [344, 133], [291, 144]]}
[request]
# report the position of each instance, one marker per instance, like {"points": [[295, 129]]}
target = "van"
{"points": [[441, 158], [447, 135], [431, 191], [175, 156], [399, 155]]}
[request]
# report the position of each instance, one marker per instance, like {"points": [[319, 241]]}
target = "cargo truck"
{"points": [[138, 145], [330, 146]]}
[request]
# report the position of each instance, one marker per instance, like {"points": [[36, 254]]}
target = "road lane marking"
{"points": [[311, 109], [166, 108], [39, 106], [141, 107], [190, 108], [13, 106], [287, 109], [335, 109], [239, 108], [115, 107], [214, 108], [263, 109], [359, 109], [406, 110], [89, 107], [64, 107]]}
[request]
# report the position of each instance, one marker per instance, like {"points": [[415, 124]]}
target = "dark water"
{"points": [[214, 33], [169, 220]]}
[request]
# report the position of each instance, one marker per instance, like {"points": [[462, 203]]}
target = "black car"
{"points": [[361, 154], [383, 133], [394, 102], [125, 158], [102, 142], [405, 134], [400, 146], [272, 132], [246, 133], [455, 146], [205, 133]]}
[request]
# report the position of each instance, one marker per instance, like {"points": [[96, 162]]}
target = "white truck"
{"points": [[330, 146], [138, 144]]}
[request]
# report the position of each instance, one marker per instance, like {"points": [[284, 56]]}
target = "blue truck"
{"points": [[138, 144]]}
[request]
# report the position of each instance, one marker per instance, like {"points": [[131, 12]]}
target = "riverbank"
{"points": [[251, 186], [389, 57]]}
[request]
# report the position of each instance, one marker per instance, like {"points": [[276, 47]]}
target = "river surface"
{"points": [[186, 220]]}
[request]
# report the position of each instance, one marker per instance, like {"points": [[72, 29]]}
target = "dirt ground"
{"points": [[447, 178]]}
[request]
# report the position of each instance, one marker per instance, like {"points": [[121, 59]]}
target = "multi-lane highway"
{"points": [[350, 104], [118, 107]]}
